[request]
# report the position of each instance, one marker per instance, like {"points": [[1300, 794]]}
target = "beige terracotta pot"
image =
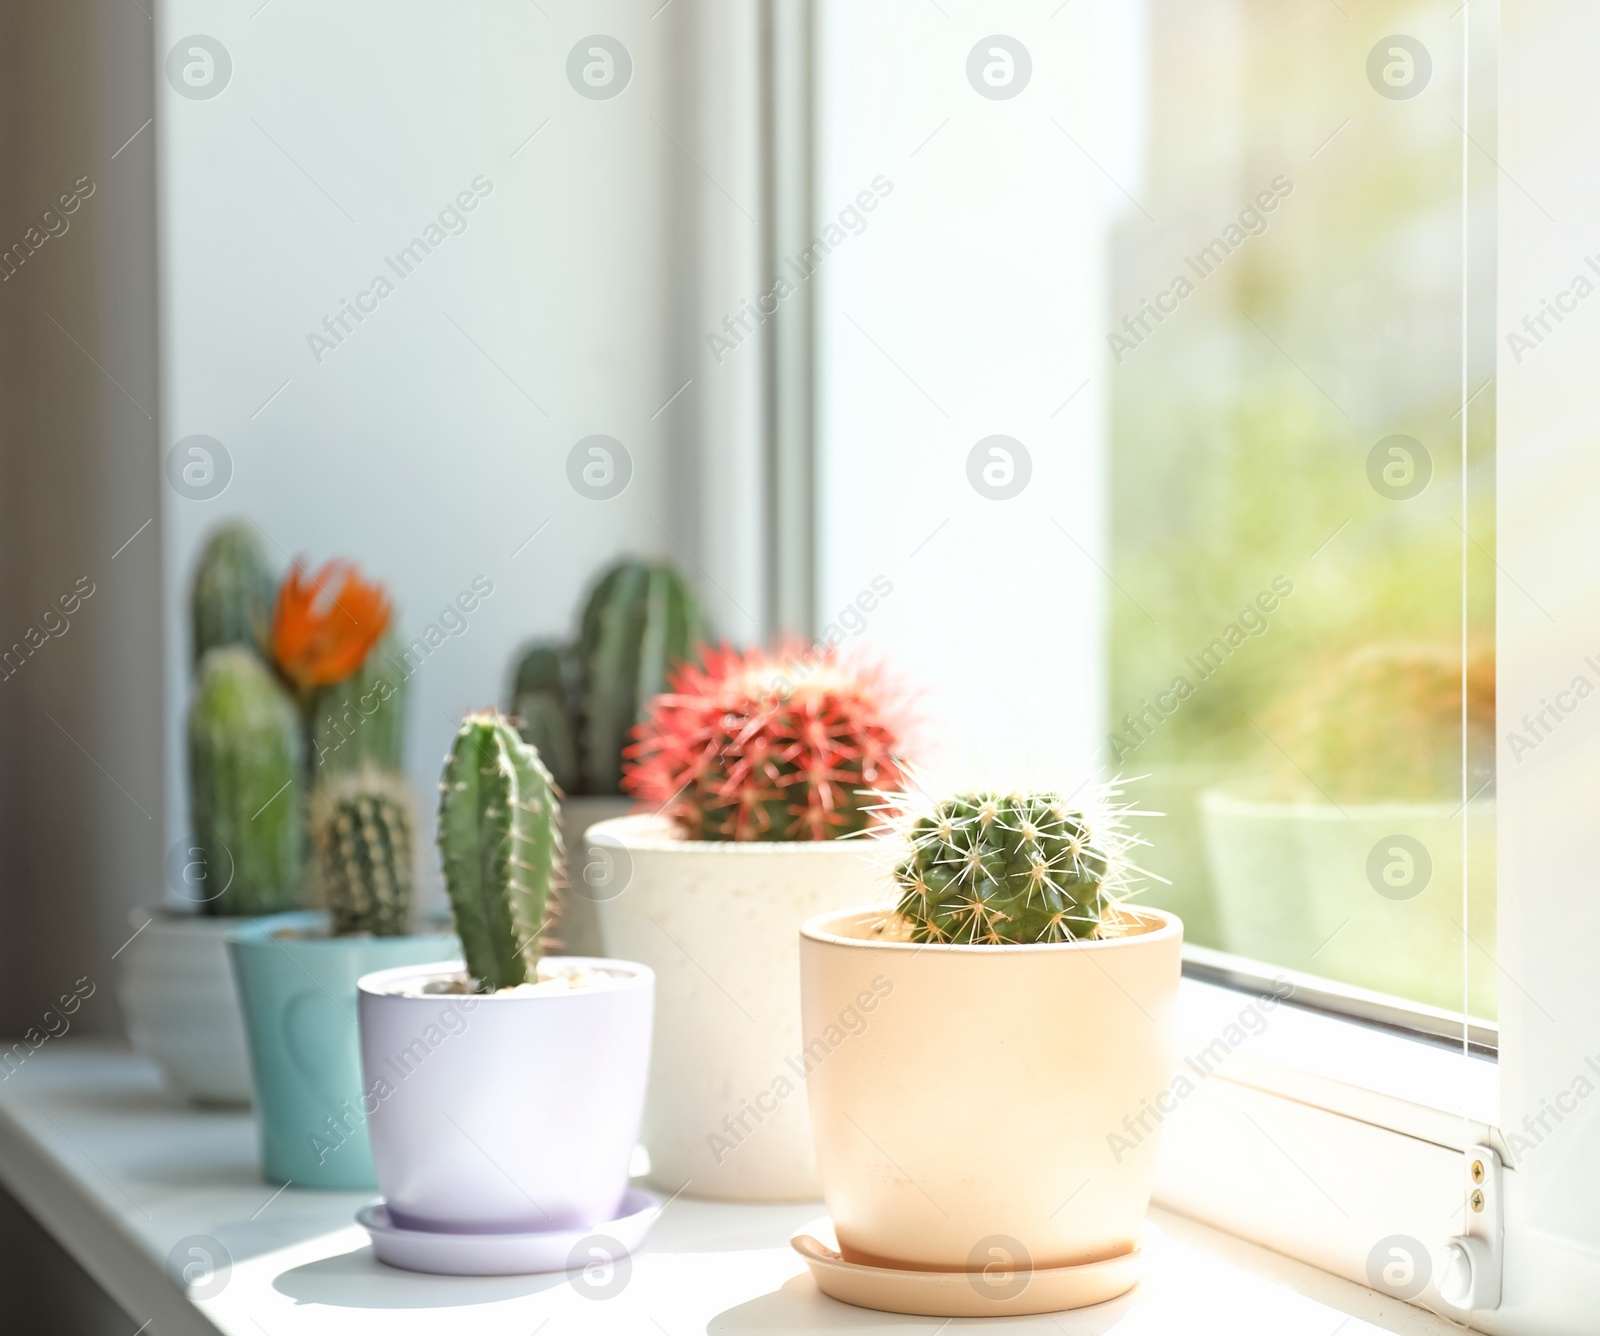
{"points": [[979, 1102], [719, 923]]}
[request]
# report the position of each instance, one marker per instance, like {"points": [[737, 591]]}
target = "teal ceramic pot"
{"points": [[297, 988]]}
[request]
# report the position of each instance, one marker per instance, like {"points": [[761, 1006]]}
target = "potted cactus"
{"points": [[1012, 989], [265, 665], [502, 1098], [578, 704], [245, 759], [760, 763], [296, 975], [1347, 860]]}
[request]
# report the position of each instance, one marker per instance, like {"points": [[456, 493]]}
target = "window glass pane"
{"points": [[1303, 513], [1220, 277]]}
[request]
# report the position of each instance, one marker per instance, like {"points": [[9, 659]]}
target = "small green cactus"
{"points": [[244, 784], [231, 600], [542, 704], [640, 623], [990, 868], [360, 722], [361, 827], [501, 847]]}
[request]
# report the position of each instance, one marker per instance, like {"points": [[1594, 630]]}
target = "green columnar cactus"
{"points": [[244, 782], [360, 722], [361, 827], [501, 848], [1019, 867], [640, 623], [542, 703], [231, 600]]}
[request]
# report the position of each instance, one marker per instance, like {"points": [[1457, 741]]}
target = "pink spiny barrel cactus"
{"points": [[767, 745]]}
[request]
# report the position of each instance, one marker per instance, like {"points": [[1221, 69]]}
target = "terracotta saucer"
{"points": [[954, 1293]]}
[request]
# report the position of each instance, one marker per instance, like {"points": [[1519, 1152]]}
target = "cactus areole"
{"points": [[989, 868], [767, 746], [501, 848]]}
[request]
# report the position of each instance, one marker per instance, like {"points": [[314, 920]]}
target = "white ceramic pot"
{"points": [[1366, 893], [719, 923], [968, 1099], [504, 1114], [182, 1009]]}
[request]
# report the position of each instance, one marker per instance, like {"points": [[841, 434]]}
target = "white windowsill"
{"points": [[1320, 1136], [119, 1173], [1417, 1087]]}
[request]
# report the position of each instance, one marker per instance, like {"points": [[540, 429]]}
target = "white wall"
{"points": [[969, 307], [341, 133]]}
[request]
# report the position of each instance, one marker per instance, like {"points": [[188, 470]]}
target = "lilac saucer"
{"points": [[510, 1254]]}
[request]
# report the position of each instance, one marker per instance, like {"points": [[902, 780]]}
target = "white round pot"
{"points": [[719, 923], [505, 1114], [969, 1099], [182, 1009]]}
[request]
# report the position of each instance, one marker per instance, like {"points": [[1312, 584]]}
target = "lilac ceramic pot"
{"points": [[508, 1114]]}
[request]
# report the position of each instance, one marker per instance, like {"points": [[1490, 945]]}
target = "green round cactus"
{"points": [[244, 785], [361, 829], [501, 848], [990, 868], [231, 600]]}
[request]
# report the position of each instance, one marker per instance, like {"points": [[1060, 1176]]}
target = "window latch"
{"points": [[1468, 1266]]}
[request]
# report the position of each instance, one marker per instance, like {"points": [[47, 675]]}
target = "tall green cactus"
{"points": [[230, 602], [360, 722], [361, 828], [1000, 868], [244, 784], [543, 698], [501, 848], [640, 623]]}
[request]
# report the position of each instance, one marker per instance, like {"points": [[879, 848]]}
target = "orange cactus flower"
{"points": [[326, 624]]}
